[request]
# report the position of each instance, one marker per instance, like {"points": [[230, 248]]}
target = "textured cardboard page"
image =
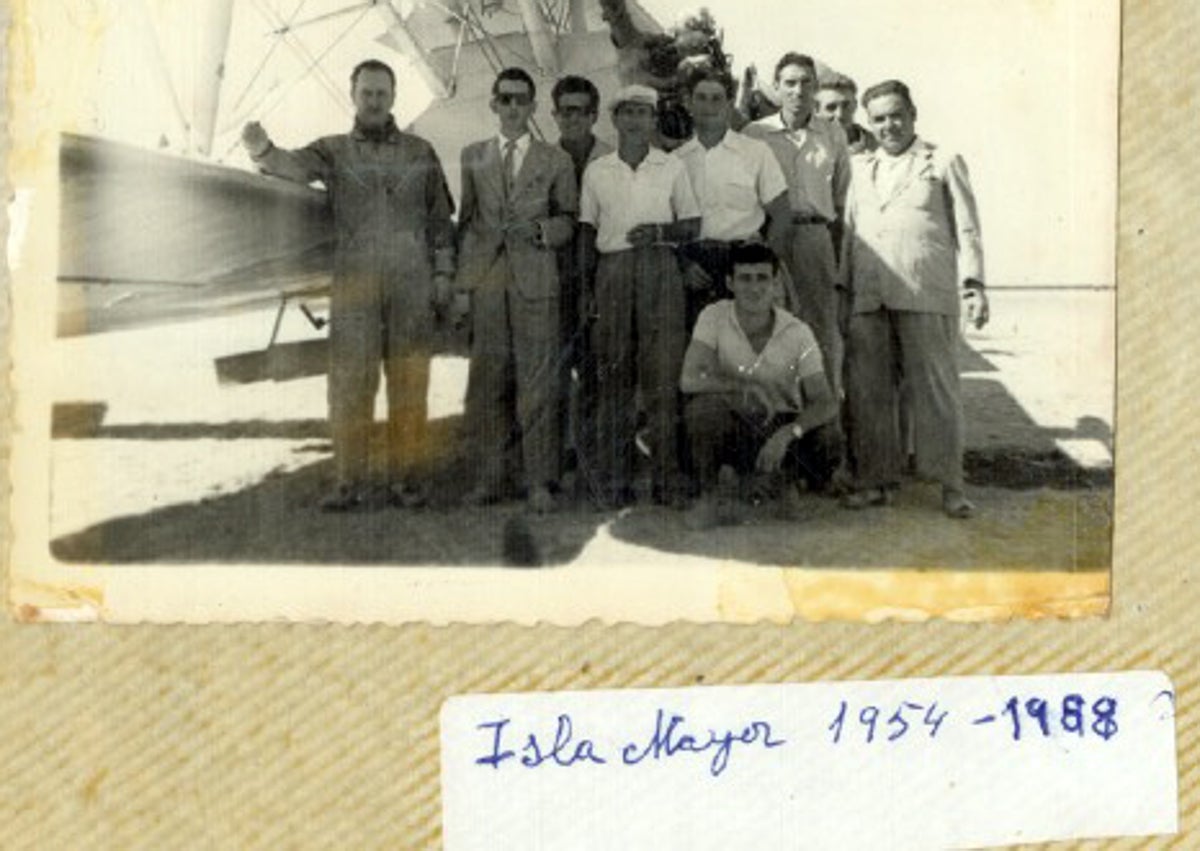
{"points": [[306, 736]]}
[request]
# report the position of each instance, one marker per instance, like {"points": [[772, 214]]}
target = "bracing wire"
{"points": [[267, 57]]}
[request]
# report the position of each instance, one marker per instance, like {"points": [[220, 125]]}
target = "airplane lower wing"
{"points": [[147, 238]]}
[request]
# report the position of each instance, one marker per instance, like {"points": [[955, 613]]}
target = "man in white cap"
{"points": [[636, 205]]}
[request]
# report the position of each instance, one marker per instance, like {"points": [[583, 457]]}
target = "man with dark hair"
{"points": [[393, 270], [519, 202], [837, 100], [372, 65], [759, 397], [812, 154], [637, 204], [737, 180], [913, 255], [576, 108]]}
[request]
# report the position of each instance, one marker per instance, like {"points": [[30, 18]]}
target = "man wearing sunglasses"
{"points": [[576, 108], [519, 203]]}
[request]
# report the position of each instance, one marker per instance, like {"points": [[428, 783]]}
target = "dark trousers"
{"points": [[712, 256], [720, 433], [577, 371], [638, 340]]}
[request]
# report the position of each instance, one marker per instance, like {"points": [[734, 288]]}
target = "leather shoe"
{"points": [[405, 495], [479, 496], [341, 498], [869, 498], [956, 504], [541, 501]]}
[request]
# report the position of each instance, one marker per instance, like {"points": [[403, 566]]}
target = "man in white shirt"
{"points": [[913, 254], [737, 181], [815, 161], [758, 397], [636, 204]]}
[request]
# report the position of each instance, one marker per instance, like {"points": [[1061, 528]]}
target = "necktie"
{"points": [[510, 150]]}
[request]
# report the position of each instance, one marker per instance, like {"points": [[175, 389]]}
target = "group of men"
{"points": [[597, 282]]}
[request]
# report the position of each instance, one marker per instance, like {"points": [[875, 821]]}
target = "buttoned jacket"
{"points": [[911, 247], [543, 192]]}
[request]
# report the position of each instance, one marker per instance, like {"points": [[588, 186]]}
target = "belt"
{"points": [[803, 219]]}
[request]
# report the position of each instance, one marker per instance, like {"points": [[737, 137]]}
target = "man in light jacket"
{"points": [[913, 256]]}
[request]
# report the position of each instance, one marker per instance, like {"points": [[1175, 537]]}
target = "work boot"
{"points": [[541, 501], [407, 495], [867, 498], [705, 513], [956, 504]]}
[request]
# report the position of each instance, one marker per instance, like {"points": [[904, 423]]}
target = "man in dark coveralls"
{"points": [[576, 108], [393, 267]]}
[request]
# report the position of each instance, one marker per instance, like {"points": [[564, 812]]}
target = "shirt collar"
{"points": [[522, 143], [782, 320], [776, 122], [918, 148], [388, 132], [655, 157], [731, 139]]}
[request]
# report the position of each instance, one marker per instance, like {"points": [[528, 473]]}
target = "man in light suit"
{"points": [[913, 254], [519, 203]]}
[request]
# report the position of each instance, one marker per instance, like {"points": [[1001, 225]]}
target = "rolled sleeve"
{"points": [[589, 204], [683, 197], [771, 182], [706, 330]]}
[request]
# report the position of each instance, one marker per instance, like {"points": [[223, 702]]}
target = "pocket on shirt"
{"points": [[741, 191]]}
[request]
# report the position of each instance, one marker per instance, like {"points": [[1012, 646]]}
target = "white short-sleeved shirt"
{"points": [[734, 180], [791, 354], [815, 160], [615, 198]]}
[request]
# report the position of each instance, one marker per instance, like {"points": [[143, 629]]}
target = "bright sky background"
{"points": [[1026, 90]]}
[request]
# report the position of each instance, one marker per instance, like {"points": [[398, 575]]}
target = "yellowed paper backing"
{"points": [[307, 736]]}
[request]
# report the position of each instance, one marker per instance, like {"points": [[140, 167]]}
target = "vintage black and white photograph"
{"points": [[561, 309]]}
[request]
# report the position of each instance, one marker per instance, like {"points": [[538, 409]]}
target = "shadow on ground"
{"points": [[1038, 510], [277, 519]]}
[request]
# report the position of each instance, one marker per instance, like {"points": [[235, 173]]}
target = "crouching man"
{"points": [[759, 398]]}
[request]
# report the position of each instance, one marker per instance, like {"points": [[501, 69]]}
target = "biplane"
{"points": [[155, 236]]}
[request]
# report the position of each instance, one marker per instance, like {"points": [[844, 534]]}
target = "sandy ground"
{"points": [[155, 462]]}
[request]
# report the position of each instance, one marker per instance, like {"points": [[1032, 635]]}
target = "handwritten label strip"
{"points": [[926, 763]]}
